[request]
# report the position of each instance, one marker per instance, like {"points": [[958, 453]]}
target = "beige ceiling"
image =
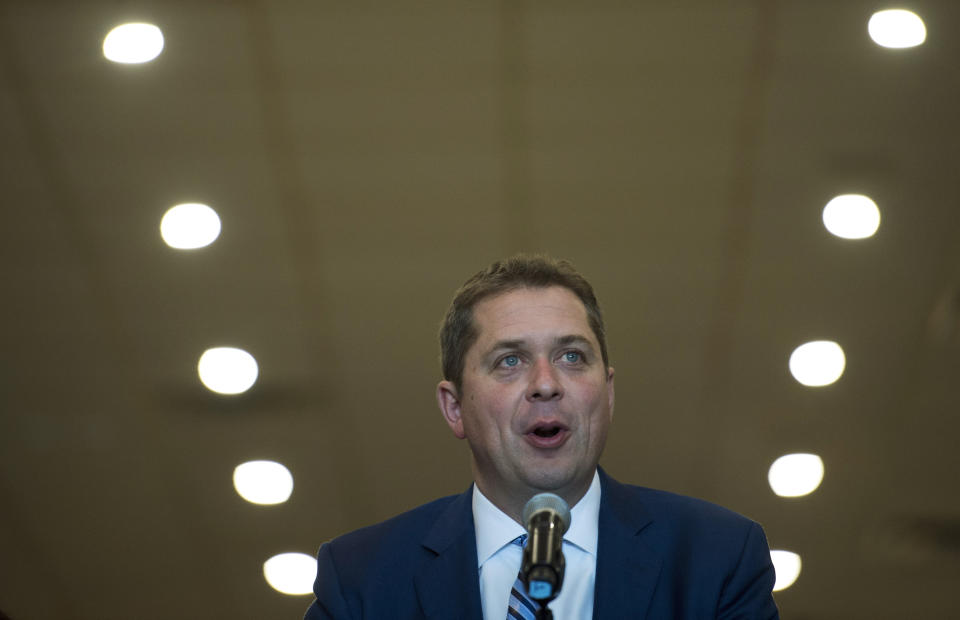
{"points": [[365, 158]]}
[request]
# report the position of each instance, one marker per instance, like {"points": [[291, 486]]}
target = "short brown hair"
{"points": [[458, 332]]}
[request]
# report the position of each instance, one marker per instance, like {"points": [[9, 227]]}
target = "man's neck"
{"points": [[512, 503]]}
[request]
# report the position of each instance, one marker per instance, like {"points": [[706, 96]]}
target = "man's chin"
{"points": [[559, 482]]}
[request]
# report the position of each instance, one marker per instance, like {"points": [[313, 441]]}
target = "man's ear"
{"points": [[449, 400], [610, 388]]}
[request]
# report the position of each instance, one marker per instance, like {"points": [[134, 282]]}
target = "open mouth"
{"points": [[548, 434], [546, 431]]}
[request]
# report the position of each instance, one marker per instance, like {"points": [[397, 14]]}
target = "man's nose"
{"points": [[544, 382]]}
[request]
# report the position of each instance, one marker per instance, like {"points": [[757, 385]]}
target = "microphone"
{"points": [[546, 517]]}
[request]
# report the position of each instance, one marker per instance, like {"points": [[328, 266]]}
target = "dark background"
{"points": [[365, 158]]}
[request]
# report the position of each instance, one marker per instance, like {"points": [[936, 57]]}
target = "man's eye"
{"points": [[510, 361], [572, 357]]}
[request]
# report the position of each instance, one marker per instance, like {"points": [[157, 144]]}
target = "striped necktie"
{"points": [[521, 606]]}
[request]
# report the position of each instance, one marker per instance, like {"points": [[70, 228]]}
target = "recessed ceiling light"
{"points": [[133, 43], [291, 573], [817, 363], [795, 475], [787, 566], [897, 28], [263, 482], [190, 226], [227, 370], [851, 216]]}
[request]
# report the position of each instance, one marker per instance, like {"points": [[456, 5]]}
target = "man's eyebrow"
{"points": [[507, 344], [573, 339], [562, 341]]}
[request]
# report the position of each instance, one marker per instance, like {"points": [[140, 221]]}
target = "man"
{"points": [[527, 382]]}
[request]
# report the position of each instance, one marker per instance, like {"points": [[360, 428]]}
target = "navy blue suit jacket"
{"points": [[660, 556]]}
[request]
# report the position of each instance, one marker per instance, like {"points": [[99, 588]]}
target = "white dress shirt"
{"points": [[499, 561]]}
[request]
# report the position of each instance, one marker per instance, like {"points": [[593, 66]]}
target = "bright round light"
{"points": [[189, 226], [263, 482], [851, 216], [787, 566], [226, 370], [795, 475], [817, 363], [291, 573], [133, 43], [897, 28]]}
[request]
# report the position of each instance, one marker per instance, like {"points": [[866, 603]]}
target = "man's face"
{"points": [[536, 398]]}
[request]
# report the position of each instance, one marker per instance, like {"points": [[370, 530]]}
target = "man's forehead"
{"points": [[514, 314]]}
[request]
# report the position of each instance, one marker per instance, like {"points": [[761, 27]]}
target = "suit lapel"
{"points": [[627, 569], [448, 582]]}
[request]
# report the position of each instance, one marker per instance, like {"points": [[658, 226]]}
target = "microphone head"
{"points": [[548, 502]]}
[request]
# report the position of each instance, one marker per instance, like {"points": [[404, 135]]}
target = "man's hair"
{"points": [[458, 331]]}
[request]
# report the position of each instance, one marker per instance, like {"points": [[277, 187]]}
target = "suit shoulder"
{"points": [[372, 572], [688, 510], [373, 559], [406, 528]]}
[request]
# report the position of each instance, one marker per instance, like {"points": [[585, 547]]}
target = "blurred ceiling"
{"points": [[365, 159]]}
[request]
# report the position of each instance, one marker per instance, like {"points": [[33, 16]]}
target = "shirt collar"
{"points": [[584, 519], [494, 529]]}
